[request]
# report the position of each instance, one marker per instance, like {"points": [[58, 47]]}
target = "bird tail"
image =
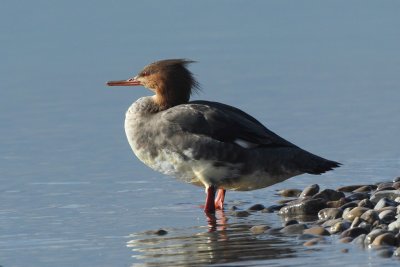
{"points": [[314, 164]]}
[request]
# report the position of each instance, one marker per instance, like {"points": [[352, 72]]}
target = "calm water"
{"points": [[323, 75]]}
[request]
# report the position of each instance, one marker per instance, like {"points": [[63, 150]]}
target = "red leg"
{"points": [[210, 206], [219, 201]]}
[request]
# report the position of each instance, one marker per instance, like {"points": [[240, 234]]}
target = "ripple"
{"points": [[217, 243]]}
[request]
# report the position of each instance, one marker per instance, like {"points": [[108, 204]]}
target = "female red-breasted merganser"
{"points": [[207, 143]]}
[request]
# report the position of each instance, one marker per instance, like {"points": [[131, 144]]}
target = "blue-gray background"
{"points": [[322, 74]]}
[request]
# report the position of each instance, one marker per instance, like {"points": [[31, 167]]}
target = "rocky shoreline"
{"points": [[366, 215]]}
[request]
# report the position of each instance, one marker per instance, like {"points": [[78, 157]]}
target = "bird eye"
{"points": [[145, 73]]}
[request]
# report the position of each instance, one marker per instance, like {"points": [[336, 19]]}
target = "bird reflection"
{"points": [[217, 243]]}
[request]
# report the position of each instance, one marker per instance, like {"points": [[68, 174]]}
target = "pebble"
{"points": [[336, 203], [290, 222], [352, 204], [157, 232], [310, 190], [289, 192], [366, 226], [387, 239], [370, 216], [259, 229], [382, 186], [359, 240], [396, 185], [316, 231], [355, 222], [365, 188], [294, 229], [241, 213], [390, 194], [330, 213], [349, 188], [306, 207], [387, 216], [353, 213], [332, 222], [358, 196], [272, 208], [366, 203], [256, 207], [393, 226], [305, 237], [353, 232], [372, 235], [385, 202], [367, 215], [329, 195], [339, 227], [385, 252], [312, 242], [346, 239], [397, 252]]}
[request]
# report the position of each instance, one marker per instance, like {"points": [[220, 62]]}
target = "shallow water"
{"points": [[322, 75]]}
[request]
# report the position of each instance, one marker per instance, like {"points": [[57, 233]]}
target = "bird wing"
{"points": [[223, 123]]}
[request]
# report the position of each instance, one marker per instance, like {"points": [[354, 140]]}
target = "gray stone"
{"points": [[365, 188], [390, 194], [346, 239], [272, 208], [305, 236], [372, 235], [312, 242], [384, 185], [366, 226], [339, 227], [349, 188], [396, 185], [157, 232], [387, 216], [397, 252], [294, 229], [394, 225], [366, 203], [359, 240], [352, 204], [289, 192], [336, 203], [290, 222], [385, 252], [385, 202], [259, 229], [329, 195], [357, 196], [310, 191], [353, 213], [355, 222], [370, 216], [317, 230], [241, 213], [353, 232], [306, 207], [386, 239], [330, 213], [332, 222], [256, 207]]}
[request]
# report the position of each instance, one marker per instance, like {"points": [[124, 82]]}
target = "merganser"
{"points": [[207, 143]]}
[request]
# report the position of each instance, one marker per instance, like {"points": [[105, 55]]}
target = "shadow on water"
{"points": [[217, 243]]}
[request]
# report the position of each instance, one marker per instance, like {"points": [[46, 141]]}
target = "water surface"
{"points": [[322, 75]]}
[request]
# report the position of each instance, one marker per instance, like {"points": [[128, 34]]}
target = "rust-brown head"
{"points": [[171, 81]]}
